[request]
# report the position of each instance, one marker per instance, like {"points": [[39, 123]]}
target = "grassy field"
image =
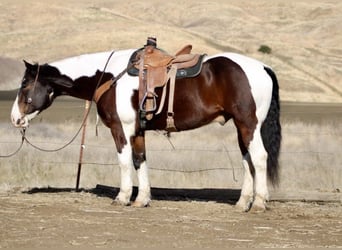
{"points": [[304, 35], [202, 158]]}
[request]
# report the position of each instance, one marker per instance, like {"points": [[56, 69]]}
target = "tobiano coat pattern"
{"points": [[229, 86]]}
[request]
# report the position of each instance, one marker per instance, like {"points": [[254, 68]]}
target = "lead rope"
{"points": [[24, 138], [20, 146]]}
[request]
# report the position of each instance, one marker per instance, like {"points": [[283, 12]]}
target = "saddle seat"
{"points": [[157, 64], [183, 59]]}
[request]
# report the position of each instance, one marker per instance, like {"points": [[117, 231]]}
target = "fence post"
{"points": [[86, 108]]}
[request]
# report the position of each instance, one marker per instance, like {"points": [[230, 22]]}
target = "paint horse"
{"points": [[229, 86]]}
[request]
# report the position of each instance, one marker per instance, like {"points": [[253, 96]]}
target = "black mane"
{"points": [[45, 70], [48, 74], [49, 71]]}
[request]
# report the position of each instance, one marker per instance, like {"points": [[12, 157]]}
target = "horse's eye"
{"points": [[24, 83], [29, 100]]}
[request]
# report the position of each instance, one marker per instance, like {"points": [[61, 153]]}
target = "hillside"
{"points": [[304, 35]]}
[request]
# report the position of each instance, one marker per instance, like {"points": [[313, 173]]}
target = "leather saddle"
{"points": [[155, 68], [188, 65]]}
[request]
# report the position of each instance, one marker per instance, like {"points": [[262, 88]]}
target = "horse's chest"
{"points": [[124, 104]]}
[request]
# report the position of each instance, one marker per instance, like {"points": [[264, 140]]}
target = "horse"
{"points": [[229, 86]]}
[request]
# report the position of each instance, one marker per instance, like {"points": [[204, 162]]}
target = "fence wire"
{"points": [[231, 155]]}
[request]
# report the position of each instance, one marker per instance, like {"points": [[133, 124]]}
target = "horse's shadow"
{"points": [[229, 196]]}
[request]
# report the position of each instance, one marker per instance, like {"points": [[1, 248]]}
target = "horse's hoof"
{"points": [[259, 205], [140, 204], [123, 198], [258, 208], [244, 204], [118, 202], [241, 208]]}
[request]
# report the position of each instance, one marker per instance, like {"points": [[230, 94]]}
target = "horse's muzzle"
{"points": [[20, 122]]}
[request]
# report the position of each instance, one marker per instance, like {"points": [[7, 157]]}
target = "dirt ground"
{"points": [[87, 219]]}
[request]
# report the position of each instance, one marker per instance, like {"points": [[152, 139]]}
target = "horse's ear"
{"points": [[28, 65], [32, 68]]}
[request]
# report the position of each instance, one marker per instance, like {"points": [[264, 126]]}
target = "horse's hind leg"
{"points": [[247, 191], [254, 192], [259, 158]]}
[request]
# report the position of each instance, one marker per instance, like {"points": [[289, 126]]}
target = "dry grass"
{"points": [[208, 157], [304, 35]]}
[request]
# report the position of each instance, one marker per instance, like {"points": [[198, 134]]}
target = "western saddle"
{"points": [[155, 69]]}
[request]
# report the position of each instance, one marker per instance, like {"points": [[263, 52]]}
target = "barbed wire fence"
{"points": [[310, 146]]}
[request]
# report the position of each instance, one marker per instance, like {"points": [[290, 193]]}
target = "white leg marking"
{"points": [[259, 158], [144, 195], [247, 193], [126, 169]]}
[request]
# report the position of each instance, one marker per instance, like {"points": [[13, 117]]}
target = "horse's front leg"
{"points": [[123, 145], [139, 159], [126, 170]]}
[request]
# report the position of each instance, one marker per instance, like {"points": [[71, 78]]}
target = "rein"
{"points": [[24, 138]]}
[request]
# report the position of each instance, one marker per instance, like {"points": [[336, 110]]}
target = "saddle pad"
{"points": [[181, 73]]}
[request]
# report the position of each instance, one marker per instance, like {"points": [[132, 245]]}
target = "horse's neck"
{"points": [[82, 71], [83, 65]]}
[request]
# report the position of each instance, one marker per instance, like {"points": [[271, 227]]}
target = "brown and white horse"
{"points": [[229, 86]]}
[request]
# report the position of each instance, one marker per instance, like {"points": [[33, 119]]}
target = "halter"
{"points": [[24, 138], [29, 101]]}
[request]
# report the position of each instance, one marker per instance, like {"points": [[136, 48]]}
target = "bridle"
{"points": [[114, 80]]}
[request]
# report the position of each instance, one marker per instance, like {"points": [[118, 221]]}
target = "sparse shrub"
{"points": [[265, 49]]}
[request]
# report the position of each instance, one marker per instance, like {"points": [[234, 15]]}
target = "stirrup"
{"points": [[144, 99]]}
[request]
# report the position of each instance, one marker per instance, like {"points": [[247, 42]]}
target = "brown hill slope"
{"points": [[304, 35]]}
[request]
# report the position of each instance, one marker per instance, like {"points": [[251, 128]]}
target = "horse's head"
{"points": [[36, 93]]}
